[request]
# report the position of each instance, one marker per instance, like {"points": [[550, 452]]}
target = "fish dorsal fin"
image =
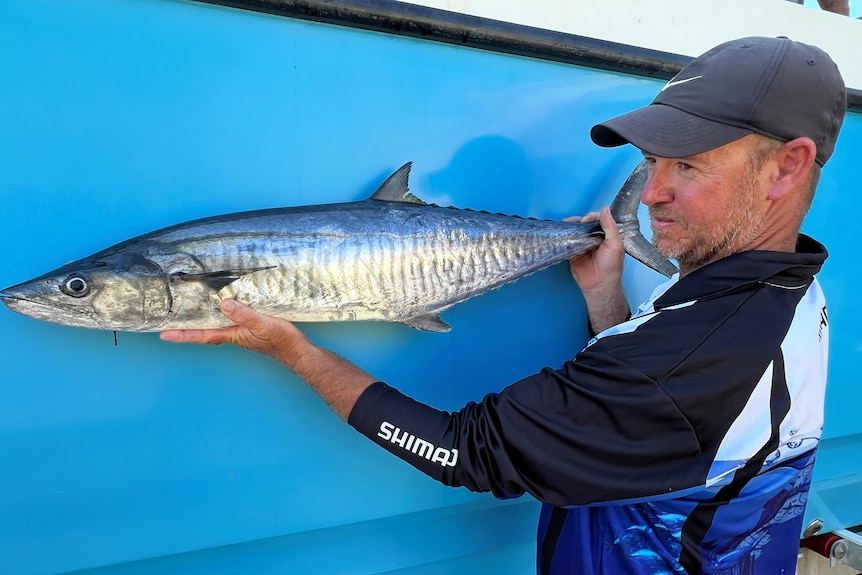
{"points": [[395, 189], [428, 322], [218, 279]]}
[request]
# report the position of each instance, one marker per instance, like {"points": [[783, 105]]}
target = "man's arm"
{"points": [[599, 275], [336, 380], [340, 383]]}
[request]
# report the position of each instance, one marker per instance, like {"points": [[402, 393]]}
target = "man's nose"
{"points": [[657, 189]]}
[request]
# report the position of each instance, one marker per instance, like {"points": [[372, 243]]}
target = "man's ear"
{"points": [[794, 161]]}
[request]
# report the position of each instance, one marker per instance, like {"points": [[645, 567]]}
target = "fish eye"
{"points": [[75, 286]]}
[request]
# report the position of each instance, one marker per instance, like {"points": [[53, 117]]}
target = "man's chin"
{"points": [[664, 247], [674, 251]]}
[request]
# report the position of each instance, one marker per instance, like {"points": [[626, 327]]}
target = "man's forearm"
{"points": [[599, 275], [607, 308], [337, 381]]}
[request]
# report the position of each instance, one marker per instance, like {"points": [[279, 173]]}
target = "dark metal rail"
{"points": [[415, 21]]}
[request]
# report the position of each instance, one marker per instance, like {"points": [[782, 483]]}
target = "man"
{"points": [[682, 439], [836, 6]]}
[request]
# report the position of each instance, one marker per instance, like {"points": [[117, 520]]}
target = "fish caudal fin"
{"points": [[643, 251], [625, 211]]}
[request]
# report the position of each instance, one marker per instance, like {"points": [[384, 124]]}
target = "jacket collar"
{"points": [[744, 268]]}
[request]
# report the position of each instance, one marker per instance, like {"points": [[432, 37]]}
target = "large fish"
{"points": [[391, 258]]}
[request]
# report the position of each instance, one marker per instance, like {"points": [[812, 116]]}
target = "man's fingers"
{"points": [[251, 329], [236, 312], [211, 336], [242, 315], [609, 226], [585, 219]]}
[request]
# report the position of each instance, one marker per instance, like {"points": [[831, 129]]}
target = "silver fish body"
{"points": [[389, 258]]}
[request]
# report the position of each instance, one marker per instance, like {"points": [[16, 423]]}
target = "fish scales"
{"points": [[361, 269], [391, 258]]}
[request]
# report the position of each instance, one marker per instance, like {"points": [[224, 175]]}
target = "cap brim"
{"points": [[666, 132]]}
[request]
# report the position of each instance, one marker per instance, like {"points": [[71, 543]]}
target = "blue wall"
{"points": [[118, 117]]}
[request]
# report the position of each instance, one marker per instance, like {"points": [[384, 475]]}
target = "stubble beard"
{"points": [[741, 224]]}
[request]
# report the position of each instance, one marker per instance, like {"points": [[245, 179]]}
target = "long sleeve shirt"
{"points": [[682, 440]]}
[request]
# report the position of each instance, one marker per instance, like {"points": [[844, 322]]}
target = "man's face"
{"points": [[707, 206]]}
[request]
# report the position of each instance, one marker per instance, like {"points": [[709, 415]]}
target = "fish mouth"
{"points": [[14, 293], [17, 301], [6, 297]]}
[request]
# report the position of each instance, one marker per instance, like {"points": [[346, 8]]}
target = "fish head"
{"points": [[117, 291]]}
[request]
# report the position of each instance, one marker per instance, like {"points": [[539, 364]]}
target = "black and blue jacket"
{"points": [[680, 441]]}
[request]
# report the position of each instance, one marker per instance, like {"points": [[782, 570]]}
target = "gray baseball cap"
{"points": [[771, 86]]}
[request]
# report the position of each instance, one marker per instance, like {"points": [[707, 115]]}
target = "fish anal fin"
{"points": [[428, 322], [218, 279], [395, 188]]}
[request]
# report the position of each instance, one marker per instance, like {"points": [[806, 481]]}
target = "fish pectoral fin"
{"points": [[218, 279], [428, 322], [395, 189]]}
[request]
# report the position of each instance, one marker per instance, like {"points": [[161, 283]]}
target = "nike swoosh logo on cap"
{"points": [[669, 84]]}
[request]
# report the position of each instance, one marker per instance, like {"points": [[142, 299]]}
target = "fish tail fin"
{"points": [[625, 211]]}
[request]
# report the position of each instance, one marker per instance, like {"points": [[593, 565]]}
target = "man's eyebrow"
{"points": [[691, 158]]}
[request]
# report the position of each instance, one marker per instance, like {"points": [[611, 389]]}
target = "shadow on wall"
{"points": [[490, 172]]}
